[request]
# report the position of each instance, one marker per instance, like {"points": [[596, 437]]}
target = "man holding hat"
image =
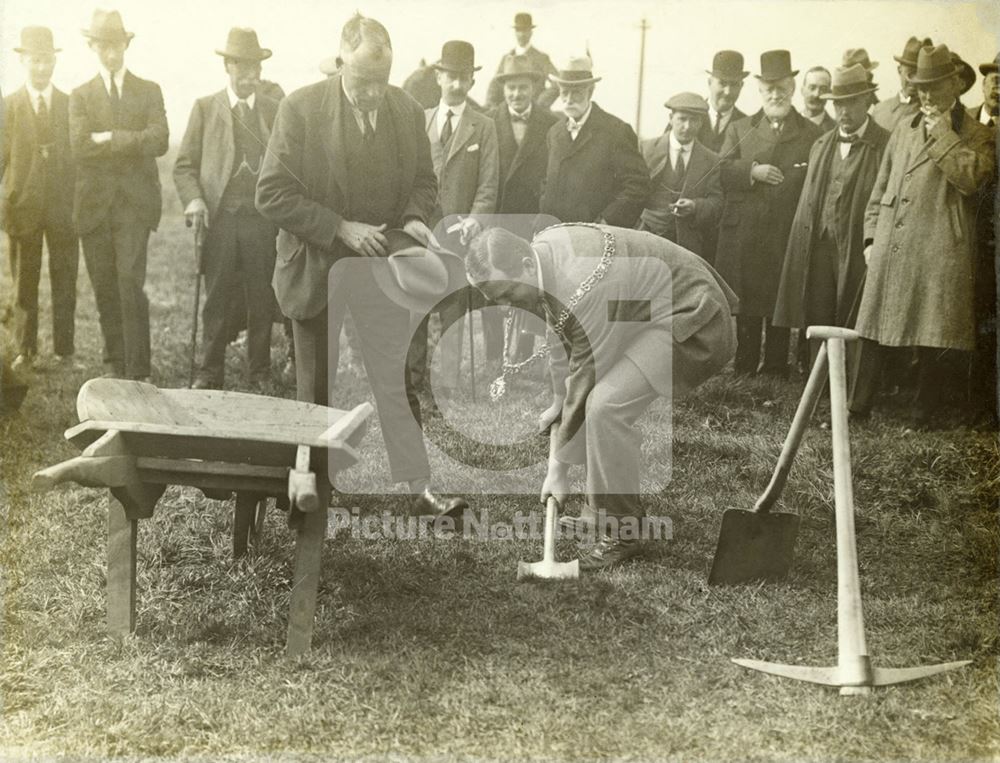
{"points": [[539, 62], [824, 265], [37, 200], [464, 151], [685, 195], [117, 128], [725, 83], [815, 84], [216, 177], [904, 105], [349, 159], [595, 172], [764, 163], [920, 240]]}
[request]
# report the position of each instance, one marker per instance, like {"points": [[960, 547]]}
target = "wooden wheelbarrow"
{"points": [[137, 439]]}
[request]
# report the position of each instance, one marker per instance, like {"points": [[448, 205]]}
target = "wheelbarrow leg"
{"points": [[246, 520], [122, 533], [309, 537]]}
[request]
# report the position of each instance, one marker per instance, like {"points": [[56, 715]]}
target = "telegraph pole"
{"points": [[643, 26]]}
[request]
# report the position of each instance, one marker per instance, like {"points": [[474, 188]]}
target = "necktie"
{"points": [[369, 129], [515, 117], [680, 168], [115, 96], [718, 123], [243, 112], [447, 129], [42, 115], [852, 138]]}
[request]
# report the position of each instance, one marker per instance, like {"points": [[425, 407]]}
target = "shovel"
{"points": [[549, 568], [756, 544]]}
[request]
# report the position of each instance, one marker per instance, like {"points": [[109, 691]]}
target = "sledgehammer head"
{"points": [[549, 570]]}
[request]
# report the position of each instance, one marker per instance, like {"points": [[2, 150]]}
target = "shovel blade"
{"points": [[549, 570], [754, 546]]}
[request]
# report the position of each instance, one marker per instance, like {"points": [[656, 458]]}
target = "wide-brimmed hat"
{"points": [[933, 65], [775, 65], [518, 66], [37, 40], [728, 65], [858, 56], [991, 67], [577, 70], [412, 275], [912, 49], [457, 56], [523, 21], [107, 26], [689, 102], [242, 45], [966, 74], [848, 82]]}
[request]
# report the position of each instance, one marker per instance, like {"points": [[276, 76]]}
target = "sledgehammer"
{"points": [[549, 568]]}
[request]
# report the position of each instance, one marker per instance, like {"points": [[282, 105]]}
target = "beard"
{"points": [[777, 110]]}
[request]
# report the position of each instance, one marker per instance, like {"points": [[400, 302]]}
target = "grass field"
{"points": [[430, 649]]}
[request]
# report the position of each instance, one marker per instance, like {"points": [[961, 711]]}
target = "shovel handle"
{"points": [[807, 404], [549, 542]]}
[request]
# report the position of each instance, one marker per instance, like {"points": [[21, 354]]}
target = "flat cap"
{"points": [[688, 102]]}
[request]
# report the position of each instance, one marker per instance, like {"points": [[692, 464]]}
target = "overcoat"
{"points": [[892, 111], [921, 218], [790, 309], [710, 139], [522, 168], [757, 217]]}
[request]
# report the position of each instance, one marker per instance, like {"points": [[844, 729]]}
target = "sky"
{"points": [[175, 40]]}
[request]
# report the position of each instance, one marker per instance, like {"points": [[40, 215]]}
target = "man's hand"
{"points": [[867, 254], [767, 173], [367, 240], [683, 208], [100, 137], [556, 482], [196, 214], [419, 230], [549, 415], [470, 227]]}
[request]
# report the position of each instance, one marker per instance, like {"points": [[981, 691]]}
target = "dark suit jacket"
{"points": [[707, 136], [701, 185], [600, 175], [126, 165], [303, 186], [468, 175], [757, 217], [204, 162], [23, 208], [522, 168]]}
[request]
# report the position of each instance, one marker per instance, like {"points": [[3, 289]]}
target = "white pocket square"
{"points": [[473, 147]]}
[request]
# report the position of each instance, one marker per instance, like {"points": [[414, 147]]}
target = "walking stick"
{"points": [[472, 340], [197, 301]]}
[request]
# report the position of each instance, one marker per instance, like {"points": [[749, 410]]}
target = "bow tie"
{"points": [[515, 117], [852, 138], [572, 125]]}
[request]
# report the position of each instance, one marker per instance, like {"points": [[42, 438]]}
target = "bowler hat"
{"points": [[107, 26], [36, 39], [689, 102], [412, 275], [992, 67], [523, 21], [775, 65], [457, 56], [849, 81], [912, 49], [933, 65], [728, 65], [966, 74], [858, 56], [518, 66], [577, 70], [242, 45]]}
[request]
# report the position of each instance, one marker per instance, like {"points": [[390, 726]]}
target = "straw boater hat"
{"points": [[775, 65], [728, 65], [578, 70], [413, 275], [457, 56], [37, 40], [243, 46], [107, 26], [848, 82], [518, 66], [912, 49], [691, 103], [933, 65]]}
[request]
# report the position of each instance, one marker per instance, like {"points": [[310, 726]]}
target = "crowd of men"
{"points": [[858, 212]]}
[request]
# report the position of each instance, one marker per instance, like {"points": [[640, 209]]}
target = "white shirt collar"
{"points": [[234, 99], [676, 145], [442, 115], [860, 132], [119, 79], [575, 126], [519, 51], [722, 116], [817, 119], [526, 113], [33, 96], [904, 98], [984, 115], [359, 115]]}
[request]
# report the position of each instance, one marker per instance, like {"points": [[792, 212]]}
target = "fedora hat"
{"points": [[849, 81], [577, 70], [912, 49], [412, 275], [457, 56], [689, 102], [242, 45], [858, 56], [518, 66], [992, 67], [933, 65], [728, 65], [775, 65], [107, 26], [36, 40], [966, 73], [523, 21]]}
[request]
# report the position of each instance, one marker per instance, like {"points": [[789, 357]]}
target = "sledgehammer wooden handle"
{"points": [[832, 332]]}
